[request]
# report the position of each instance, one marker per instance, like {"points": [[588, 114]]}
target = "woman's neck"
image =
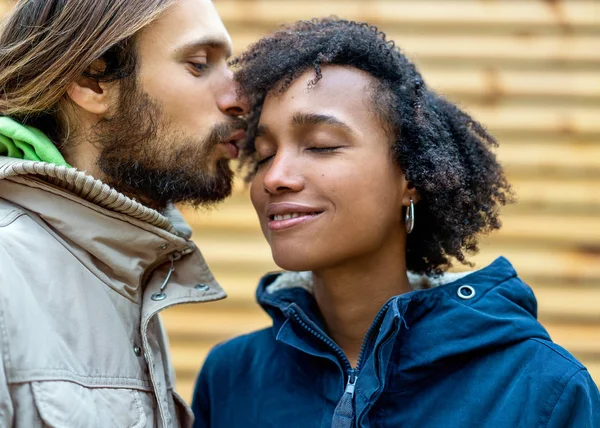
{"points": [[349, 297]]}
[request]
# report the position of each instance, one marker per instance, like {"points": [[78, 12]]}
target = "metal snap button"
{"points": [[157, 297], [202, 287], [137, 350], [465, 292]]}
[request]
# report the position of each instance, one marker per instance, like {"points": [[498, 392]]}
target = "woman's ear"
{"points": [[410, 193], [91, 95]]}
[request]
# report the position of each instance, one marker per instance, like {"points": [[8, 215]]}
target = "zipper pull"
{"points": [[173, 257], [344, 413], [350, 386]]}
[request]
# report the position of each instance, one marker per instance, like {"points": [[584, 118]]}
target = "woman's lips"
{"points": [[276, 223]]}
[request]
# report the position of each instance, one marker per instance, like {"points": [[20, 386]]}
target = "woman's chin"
{"points": [[293, 262]]}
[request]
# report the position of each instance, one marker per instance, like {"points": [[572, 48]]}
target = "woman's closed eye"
{"points": [[265, 159], [324, 149]]}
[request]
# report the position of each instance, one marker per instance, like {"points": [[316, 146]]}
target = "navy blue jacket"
{"points": [[450, 356]]}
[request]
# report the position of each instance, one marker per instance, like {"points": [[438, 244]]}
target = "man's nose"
{"points": [[231, 100]]}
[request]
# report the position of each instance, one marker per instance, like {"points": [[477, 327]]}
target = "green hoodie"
{"points": [[26, 142]]}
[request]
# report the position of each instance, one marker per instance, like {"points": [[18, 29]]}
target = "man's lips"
{"points": [[285, 215], [230, 144], [231, 150]]}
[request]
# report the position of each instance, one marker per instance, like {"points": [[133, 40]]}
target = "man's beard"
{"points": [[143, 158]]}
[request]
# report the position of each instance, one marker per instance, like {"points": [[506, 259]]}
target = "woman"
{"points": [[360, 175]]}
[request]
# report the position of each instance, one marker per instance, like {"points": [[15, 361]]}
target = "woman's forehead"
{"points": [[342, 93]]}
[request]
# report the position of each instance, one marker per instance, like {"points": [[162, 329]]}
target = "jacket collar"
{"points": [[120, 240], [84, 186], [429, 328]]}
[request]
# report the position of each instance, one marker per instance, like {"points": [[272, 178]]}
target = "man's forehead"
{"points": [[190, 24]]}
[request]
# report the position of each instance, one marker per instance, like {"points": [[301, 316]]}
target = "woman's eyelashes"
{"points": [[265, 159], [324, 149]]}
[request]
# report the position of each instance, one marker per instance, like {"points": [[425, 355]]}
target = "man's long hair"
{"points": [[47, 44]]}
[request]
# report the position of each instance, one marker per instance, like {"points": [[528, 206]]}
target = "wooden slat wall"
{"points": [[530, 70]]}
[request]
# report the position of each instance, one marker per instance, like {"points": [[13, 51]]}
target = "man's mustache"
{"points": [[222, 131]]}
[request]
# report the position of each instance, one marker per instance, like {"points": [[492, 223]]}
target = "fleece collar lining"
{"points": [[288, 280]]}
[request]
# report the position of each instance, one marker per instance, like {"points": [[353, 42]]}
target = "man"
{"points": [[112, 110]]}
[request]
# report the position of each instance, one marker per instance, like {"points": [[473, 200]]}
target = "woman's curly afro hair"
{"points": [[443, 152]]}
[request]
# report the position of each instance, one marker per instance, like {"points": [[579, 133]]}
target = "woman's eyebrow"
{"points": [[304, 119]]}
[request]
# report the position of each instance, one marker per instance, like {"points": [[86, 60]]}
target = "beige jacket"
{"points": [[81, 268]]}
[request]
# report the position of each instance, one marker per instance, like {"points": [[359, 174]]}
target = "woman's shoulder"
{"points": [[243, 345]]}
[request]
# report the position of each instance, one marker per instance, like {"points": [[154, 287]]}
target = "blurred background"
{"points": [[530, 71]]}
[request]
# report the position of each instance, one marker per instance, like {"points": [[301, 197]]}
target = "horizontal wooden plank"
{"points": [[547, 156], [594, 369], [215, 320], [577, 338], [524, 13], [481, 48], [185, 386], [189, 357], [583, 231], [570, 195], [559, 119], [567, 304], [5, 7], [492, 84]]}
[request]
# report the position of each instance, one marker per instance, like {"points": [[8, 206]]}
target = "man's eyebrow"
{"points": [[212, 42], [304, 119]]}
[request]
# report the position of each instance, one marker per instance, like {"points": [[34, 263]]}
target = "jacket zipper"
{"points": [[350, 371]]}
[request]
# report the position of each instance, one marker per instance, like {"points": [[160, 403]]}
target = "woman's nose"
{"points": [[281, 176]]}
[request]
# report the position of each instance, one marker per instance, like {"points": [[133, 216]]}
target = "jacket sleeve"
{"points": [[578, 405]]}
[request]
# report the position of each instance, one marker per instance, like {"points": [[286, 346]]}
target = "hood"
{"points": [[26, 142], [495, 310]]}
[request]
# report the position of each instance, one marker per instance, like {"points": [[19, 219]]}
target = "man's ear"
{"points": [[91, 95]]}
